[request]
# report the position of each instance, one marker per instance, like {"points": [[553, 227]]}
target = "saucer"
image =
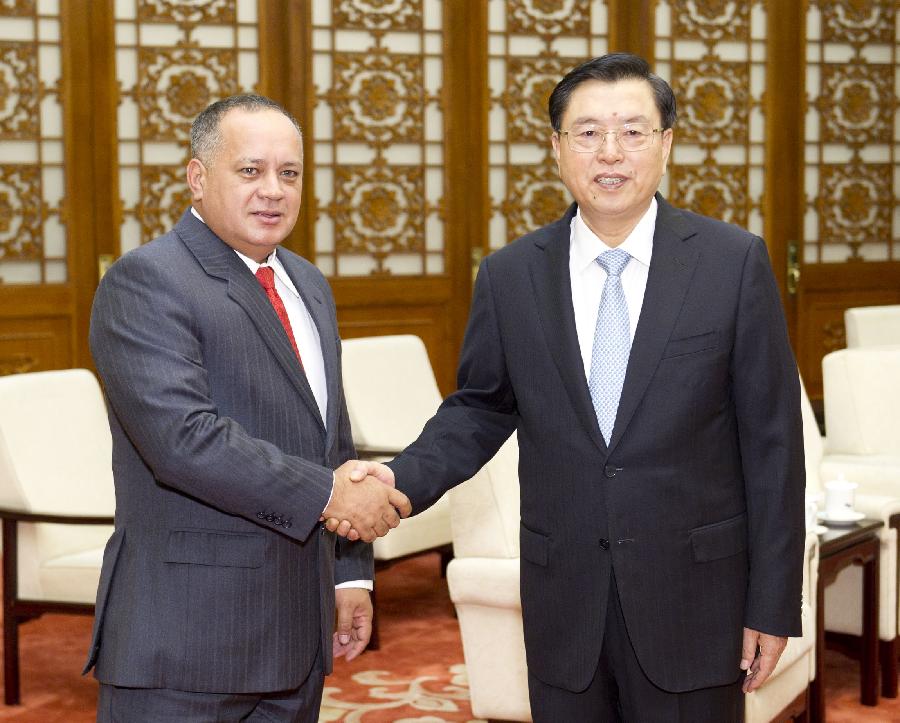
{"points": [[848, 518], [818, 529]]}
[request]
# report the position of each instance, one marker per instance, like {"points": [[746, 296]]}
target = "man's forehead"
{"points": [[630, 101]]}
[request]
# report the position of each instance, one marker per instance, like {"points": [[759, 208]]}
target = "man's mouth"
{"points": [[609, 181], [267, 215]]}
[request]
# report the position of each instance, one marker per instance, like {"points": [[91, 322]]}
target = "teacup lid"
{"points": [[841, 483]]}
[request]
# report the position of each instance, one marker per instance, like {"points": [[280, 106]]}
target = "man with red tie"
{"points": [[220, 356]]}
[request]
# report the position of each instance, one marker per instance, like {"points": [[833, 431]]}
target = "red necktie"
{"points": [[266, 277]]}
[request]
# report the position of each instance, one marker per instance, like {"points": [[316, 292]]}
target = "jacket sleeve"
{"points": [[147, 348], [473, 422], [767, 402]]}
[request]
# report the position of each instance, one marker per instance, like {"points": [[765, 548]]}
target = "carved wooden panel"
{"points": [[30, 344], [172, 60], [531, 45], [33, 242], [852, 174], [714, 55], [378, 132]]}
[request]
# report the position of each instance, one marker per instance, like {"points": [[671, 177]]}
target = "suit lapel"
{"points": [[553, 293], [219, 260], [671, 269]]}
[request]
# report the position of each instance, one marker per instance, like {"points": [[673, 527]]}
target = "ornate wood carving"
{"points": [[173, 59], [32, 238], [852, 165], [713, 53], [530, 47], [378, 130]]}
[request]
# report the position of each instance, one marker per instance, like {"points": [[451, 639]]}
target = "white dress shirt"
{"points": [[588, 277]]}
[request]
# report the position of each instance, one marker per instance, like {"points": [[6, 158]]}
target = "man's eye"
{"points": [[290, 174], [631, 132], [249, 171], [587, 133]]}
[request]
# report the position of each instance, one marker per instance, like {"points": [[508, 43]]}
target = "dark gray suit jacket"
{"points": [[696, 503], [217, 578]]}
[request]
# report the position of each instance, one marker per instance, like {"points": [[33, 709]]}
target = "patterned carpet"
{"points": [[417, 676]]}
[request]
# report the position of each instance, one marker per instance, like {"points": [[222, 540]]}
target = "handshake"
{"points": [[364, 504]]}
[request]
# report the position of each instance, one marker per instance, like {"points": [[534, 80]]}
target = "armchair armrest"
{"points": [[486, 581], [879, 507], [23, 516]]}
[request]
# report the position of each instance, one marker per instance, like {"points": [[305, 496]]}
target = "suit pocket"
{"points": [[220, 549], [691, 344], [720, 539], [534, 546]]}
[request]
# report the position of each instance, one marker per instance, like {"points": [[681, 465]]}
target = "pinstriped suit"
{"points": [[217, 578], [696, 503]]}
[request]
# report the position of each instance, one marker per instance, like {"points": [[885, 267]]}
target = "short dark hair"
{"points": [[610, 69], [205, 136]]}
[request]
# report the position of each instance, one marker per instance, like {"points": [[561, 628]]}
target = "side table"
{"points": [[840, 547]]}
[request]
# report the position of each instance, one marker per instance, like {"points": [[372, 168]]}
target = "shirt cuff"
{"points": [[366, 584], [333, 478]]}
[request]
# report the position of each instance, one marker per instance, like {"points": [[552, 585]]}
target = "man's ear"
{"points": [[554, 141], [196, 178]]}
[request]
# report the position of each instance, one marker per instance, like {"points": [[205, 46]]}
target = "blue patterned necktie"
{"points": [[612, 343]]}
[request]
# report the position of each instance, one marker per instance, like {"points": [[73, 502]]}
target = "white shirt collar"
{"points": [[587, 246], [272, 260]]}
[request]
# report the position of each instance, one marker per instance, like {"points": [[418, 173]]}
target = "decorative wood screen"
{"points": [[852, 174], [531, 45], [172, 60], [378, 128], [33, 241], [714, 55]]}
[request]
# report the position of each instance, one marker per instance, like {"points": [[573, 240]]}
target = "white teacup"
{"points": [[839, 498]]}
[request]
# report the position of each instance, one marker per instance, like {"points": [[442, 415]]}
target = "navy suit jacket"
{"points": [[218, 577], [696, 503]]}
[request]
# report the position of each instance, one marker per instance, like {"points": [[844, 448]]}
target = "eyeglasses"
{"points": [[590, 138]]}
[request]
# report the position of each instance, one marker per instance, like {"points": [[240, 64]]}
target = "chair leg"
{"points": [[11, 661], [446, 553], [889, 652], [10, 621]]}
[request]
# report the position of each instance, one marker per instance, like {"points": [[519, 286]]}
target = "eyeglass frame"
{"points": [[605, 133]]}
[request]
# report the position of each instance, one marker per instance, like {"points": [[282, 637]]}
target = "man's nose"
{"points": [[609, 145], [270, 187]]}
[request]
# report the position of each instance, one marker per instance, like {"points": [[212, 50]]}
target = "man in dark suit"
{"points": [[220, 356], [642, 355]]}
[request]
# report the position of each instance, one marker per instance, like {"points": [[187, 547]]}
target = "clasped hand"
{"points": [[364, 501]]}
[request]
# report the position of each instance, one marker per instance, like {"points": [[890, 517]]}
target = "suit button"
{"points": [[604, 544], [261, 515], [609, 471], [287, 523], [270, 517]]}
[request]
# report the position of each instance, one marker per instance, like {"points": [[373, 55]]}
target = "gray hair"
{"points": [[205, 135]]}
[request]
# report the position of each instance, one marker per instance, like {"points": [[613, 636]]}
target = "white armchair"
{"points": [[391, 393], [56, 499], [484, 585], [862, 416], [483, 578], [872, 325]]}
